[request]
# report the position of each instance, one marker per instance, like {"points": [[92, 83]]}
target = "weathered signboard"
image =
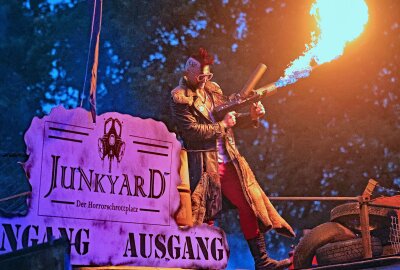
{"points": [[111, 189]]}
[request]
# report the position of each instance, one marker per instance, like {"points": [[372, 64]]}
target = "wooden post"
{"points": [[364, 218], [365, 234], [183, 216]]}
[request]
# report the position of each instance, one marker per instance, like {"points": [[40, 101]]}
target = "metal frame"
{"points": [[364, 201]]}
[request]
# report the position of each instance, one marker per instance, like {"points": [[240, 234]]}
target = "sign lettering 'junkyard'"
{"points": [[111, 189]]}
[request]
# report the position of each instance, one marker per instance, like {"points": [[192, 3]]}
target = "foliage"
{"points": [[326, 135]]}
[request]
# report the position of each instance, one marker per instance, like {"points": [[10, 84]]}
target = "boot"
{"points": [[261, 259]]}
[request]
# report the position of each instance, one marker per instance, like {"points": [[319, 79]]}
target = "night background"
{"points": [[325, 135]]}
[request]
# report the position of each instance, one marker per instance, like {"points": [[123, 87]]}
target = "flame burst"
{"points": [[339, 22]]}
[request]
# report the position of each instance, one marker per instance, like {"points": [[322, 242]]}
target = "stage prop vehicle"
{"points": [[363, 234]]}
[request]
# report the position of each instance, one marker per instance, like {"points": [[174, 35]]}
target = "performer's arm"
{"points": [[191, 129]]}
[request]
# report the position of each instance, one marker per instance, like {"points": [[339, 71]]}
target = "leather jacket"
{"points": [[200, 134]]}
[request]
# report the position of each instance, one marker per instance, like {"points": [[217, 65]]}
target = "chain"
{"points": [[15, 196], [389, 189], [13, 154]]}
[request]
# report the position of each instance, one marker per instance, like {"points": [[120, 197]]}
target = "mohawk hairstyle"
{"points": [[203, 57]]}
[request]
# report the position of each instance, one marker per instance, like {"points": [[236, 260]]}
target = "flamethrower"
{"points": [[247, 95]]}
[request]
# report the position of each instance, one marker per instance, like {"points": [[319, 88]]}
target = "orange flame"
{"points": [[339, 22]]}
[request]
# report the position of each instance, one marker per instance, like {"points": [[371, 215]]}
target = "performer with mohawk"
{"points": [[216, 167]]}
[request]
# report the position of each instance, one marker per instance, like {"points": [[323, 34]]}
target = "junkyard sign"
{"points": [[111, 189]]}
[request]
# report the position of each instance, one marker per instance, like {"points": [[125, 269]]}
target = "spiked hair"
{"points": [[203, 57]]}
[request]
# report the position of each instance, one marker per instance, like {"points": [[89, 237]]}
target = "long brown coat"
{"points": [[200, 136]]}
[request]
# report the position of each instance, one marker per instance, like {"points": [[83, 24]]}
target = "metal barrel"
{"points": [[253, 80]]}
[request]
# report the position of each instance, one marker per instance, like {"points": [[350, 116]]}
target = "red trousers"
{"points": [[232, 190]]}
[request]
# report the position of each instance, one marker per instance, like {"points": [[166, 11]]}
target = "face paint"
{"points": [[196, 76], [192, 70]]}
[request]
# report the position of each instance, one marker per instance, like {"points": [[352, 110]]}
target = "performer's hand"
{"points": [[229, 119], [257, 110]]}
